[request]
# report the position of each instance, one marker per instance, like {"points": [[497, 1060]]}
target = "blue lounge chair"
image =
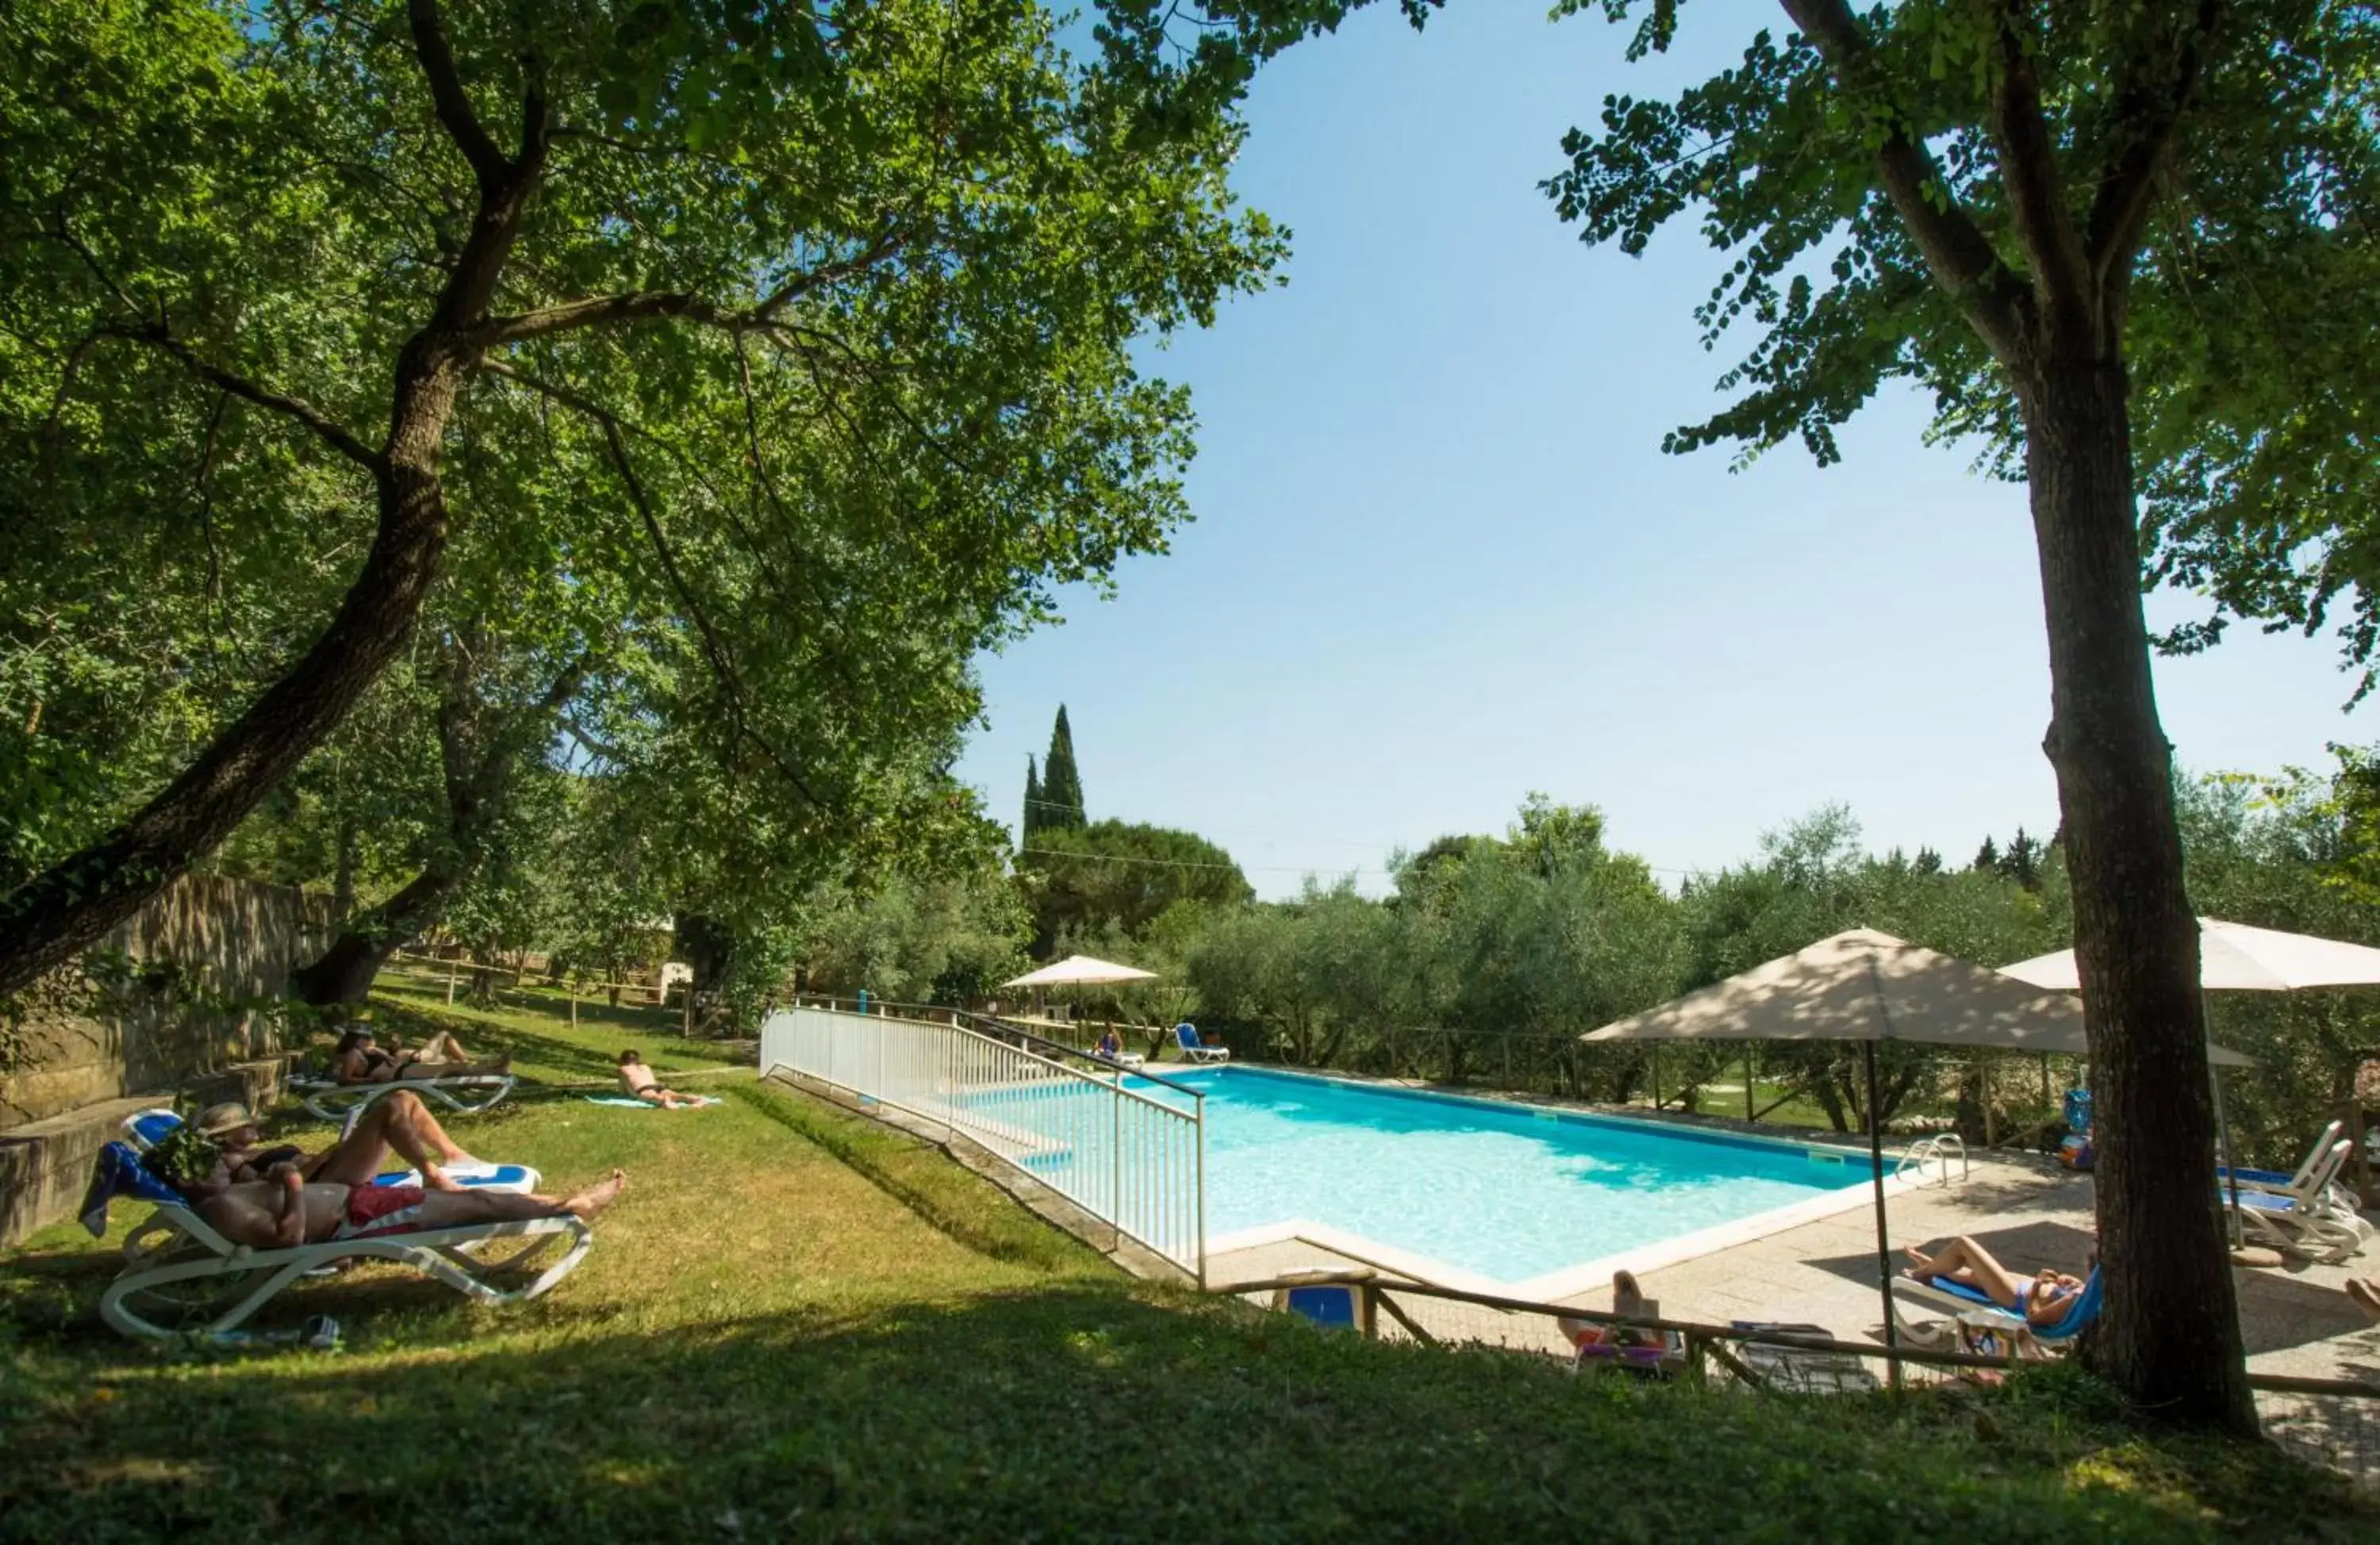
{"points": [[1975, 1309], [1185, 1036]]}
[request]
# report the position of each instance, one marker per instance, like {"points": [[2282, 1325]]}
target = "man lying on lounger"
{"points": [[287, 1212], [400, 1123], [2043, 1299], [361, 1059], [639, 1081]]}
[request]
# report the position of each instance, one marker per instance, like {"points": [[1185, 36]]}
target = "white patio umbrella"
{"points": [[2233, 957], [1081, 971], [1866, 987]]}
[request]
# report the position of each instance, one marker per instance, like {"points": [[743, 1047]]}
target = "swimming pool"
{"points": [[1506, 1193]]}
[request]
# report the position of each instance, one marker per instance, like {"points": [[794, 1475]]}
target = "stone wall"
{"points": [[172, 1002]]}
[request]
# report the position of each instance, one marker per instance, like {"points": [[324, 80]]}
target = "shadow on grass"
{"points": [[596, 1062], [964, 1207], [1068, 1413]]}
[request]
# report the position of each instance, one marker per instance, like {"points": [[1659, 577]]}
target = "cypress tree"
{"points": [[1032, 804], [1061, 785]]}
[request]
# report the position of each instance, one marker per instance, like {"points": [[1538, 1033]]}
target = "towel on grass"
{"points": [[634, 1103]]}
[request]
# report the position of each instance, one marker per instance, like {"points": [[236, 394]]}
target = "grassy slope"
{"points": [[798, 1324]]}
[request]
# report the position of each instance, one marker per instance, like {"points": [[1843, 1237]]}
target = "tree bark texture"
{"points": [[2170, 1336]]}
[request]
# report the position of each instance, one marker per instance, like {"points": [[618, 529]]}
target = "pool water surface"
{"points": [[1510, 1192]]}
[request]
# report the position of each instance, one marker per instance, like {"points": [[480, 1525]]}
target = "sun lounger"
{"points": [[333, 1101], [2307, 1179], [144, 1129], [2308, 1214], [1185, 1036], [1959, 1305], [182, 1278], [1802, 1370], [2287, 1225]]}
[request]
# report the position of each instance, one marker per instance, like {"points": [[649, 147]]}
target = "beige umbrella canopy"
{"points": [[1863, 985], [2233, 957], [1081, 971]]}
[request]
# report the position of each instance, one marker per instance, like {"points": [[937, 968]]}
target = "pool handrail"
{"points": [[927, 1011]]}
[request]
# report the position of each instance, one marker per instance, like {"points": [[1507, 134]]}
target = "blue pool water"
{"points": [[1502, 1190]]}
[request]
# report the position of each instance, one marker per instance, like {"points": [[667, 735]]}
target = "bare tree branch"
{"points": [[616, 310], [2028, 158], [2148, 113], [714, 649], [325, 428], [453, 103], [1955, 250]]}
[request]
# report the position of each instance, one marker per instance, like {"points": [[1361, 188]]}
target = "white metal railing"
{"points": [[1130, 1150]]}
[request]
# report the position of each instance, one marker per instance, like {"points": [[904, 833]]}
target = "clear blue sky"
{"points": [[1439, 560]]}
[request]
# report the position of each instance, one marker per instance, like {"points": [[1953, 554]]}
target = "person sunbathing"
{"points": [[2043, 1299], [398, 1123], [1627, 1301], [361, 1059], [287, 1211], [1111, 1045], [639, 1081]]}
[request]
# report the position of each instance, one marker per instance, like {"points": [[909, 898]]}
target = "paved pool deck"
{"points": [[2028, 1211]]}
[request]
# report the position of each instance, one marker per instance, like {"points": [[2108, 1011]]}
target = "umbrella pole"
{"points": [[1883, 1244], [2222, 1120]]}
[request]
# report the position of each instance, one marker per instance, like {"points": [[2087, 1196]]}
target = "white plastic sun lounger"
{"points": [[1959, 1304], [2306, 1224], [177, 1270], [2315, 1197], [333, 1101], [181, 1277]]}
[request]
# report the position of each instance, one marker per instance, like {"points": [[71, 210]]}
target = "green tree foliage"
{"points": [[1543, 932], [638, 292], [946, 940], [1813, 879], [2294, 851], [1077, 879], [1031, 823], [1060, 801]]}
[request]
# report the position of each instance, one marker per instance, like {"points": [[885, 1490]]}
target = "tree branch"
{"points": [[2147, 116], [453, 103], [616, 447], [325, 428], [2028, 161], [601, 311], [1958, 253]]}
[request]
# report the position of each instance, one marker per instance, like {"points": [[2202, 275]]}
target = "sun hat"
{"points": [[228, 1117]]}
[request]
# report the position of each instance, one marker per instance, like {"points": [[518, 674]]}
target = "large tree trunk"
{"points": [[345, 972], [2170, 1336], [64, 911]]}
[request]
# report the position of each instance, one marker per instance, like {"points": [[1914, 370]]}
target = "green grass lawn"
{"points": [[797, 1324]]}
